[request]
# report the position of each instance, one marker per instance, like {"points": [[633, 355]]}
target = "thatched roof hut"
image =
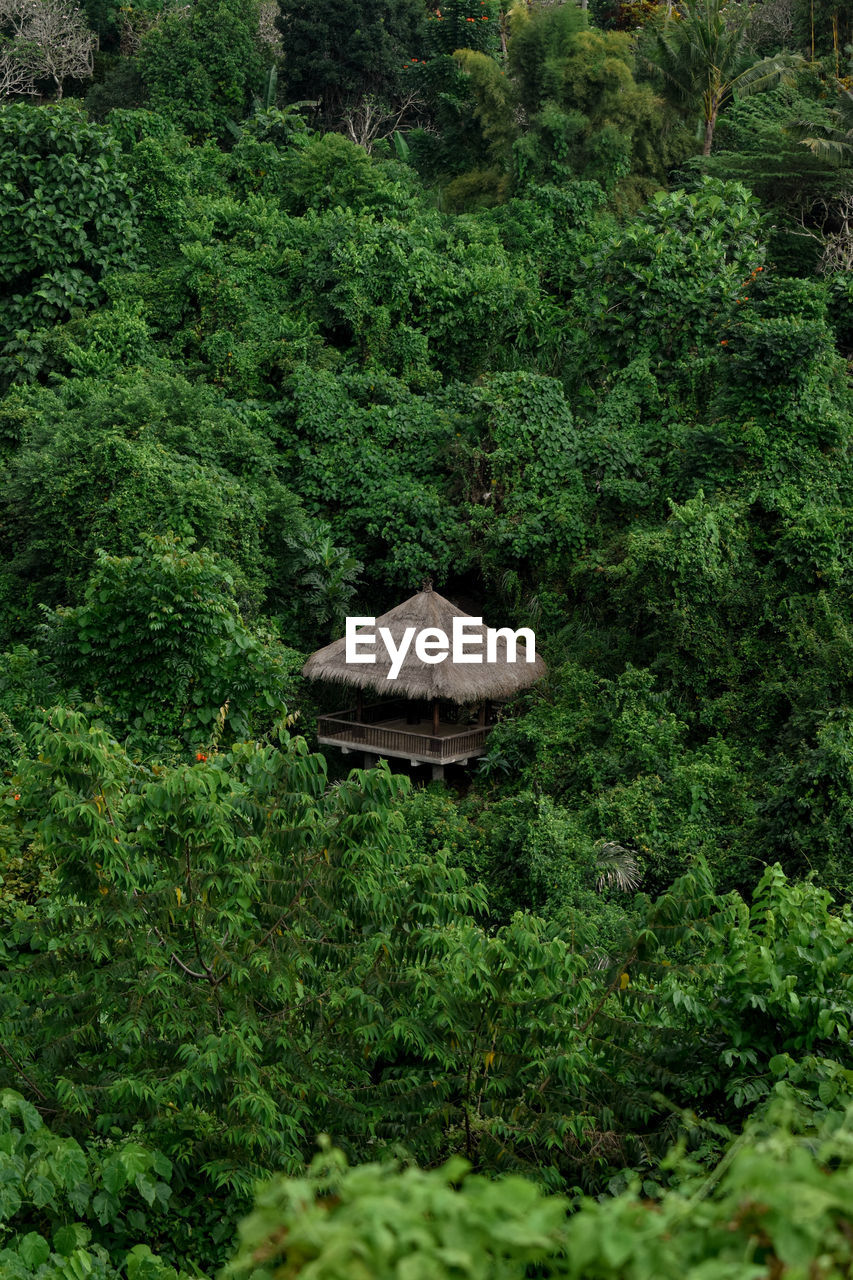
{"points": [[451, 681]]}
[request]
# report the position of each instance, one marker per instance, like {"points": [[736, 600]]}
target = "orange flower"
{"points": [[199, 755], [725, 342]]}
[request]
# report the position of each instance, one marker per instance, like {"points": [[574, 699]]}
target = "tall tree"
{"points": [[201, 64], [700, 53], [42, 40], [343, 49]]}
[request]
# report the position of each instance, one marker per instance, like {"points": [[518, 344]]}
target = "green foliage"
{"points": [[529, 850], [541, 41], [701, 58], [328, 172], [111, 21], [530, 506], [494, 100], [366, 450], [270, 958], [117, 84], [469, 110], [476, 189], [27, 681], [200, 66], [784, 970], [469, 25], [101, 463], [158, 637], [347, 48], [224, 918], [67, 213], [754, 143], [254, 292], [669, 281], [375, 1219], [404, 293], [325, 579], [565, 105], [588, 117], [618, 760], [282, 379], [159, 164], [777, 1202], [68, 1211]]}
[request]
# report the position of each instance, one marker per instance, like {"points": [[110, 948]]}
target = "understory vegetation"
{"points": [[301, 307]]}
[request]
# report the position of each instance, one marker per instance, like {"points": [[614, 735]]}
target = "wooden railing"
{"points": [[342, 727]]}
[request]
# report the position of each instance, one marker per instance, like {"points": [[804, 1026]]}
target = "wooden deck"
{"points": [[394, 736]]}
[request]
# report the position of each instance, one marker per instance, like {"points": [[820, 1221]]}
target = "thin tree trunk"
{"points": [[709, 134]]}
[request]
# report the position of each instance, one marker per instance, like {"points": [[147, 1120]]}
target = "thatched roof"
{"points": [[456, 682]]}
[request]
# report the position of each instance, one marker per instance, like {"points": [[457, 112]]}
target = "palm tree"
{"points": [[700, 53]]}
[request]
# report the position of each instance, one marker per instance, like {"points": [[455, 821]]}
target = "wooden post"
{"points": [[359, 706], [481, 718], [435, 707]]}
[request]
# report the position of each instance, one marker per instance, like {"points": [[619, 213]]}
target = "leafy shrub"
{"points": [[620, 764], [67, 1211], [67, 212], [347, 49], [777, 1203], [102, 463], [159, 638], [200, 66], [368, 454], [531, 504], [660, 285]]}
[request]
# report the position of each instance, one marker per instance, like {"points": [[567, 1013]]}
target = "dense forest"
{"points": [[301, 305]]}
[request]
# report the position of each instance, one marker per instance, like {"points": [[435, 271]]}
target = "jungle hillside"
{"points": [[305, 304]]}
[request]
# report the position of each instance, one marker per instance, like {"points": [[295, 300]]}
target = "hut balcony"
{"points": [[404, 730]]}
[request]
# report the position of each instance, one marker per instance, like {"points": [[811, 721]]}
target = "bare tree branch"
{"points": [[42, 40], [371, 120]]}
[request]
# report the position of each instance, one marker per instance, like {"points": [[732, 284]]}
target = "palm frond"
{"points": [[829, 143], [617, 868], [767, 74]]}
